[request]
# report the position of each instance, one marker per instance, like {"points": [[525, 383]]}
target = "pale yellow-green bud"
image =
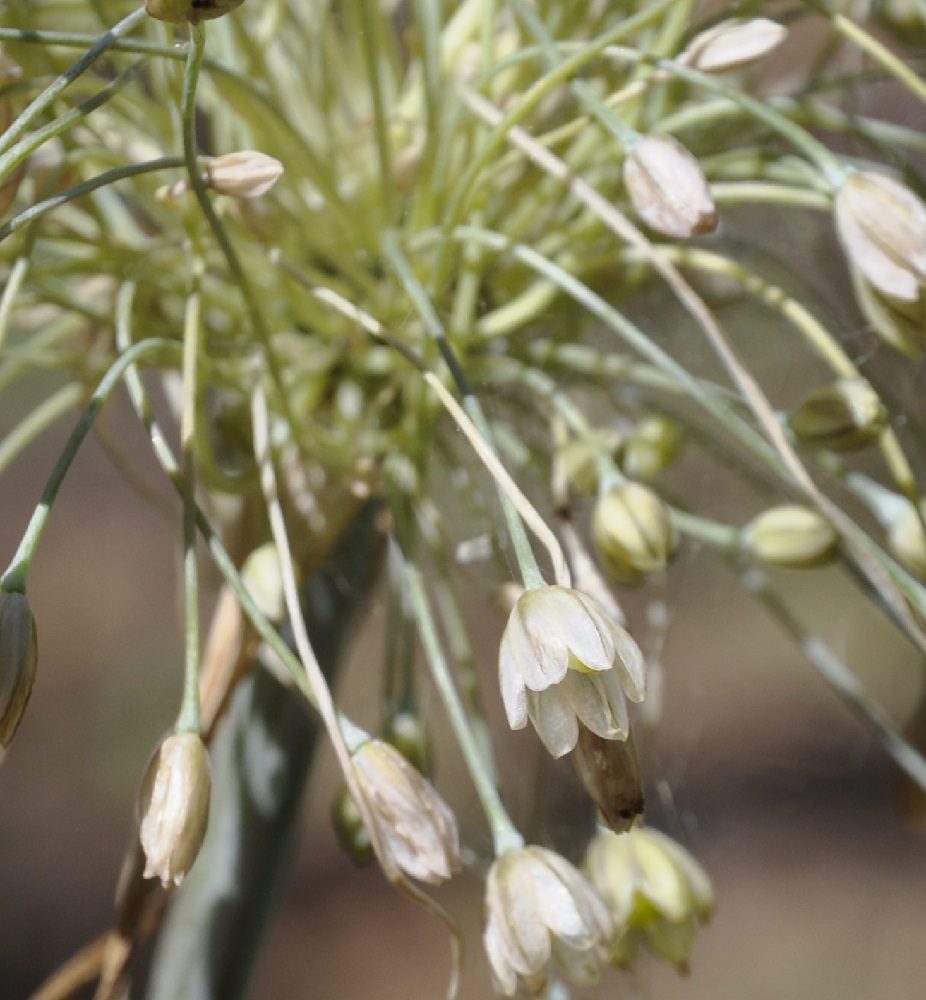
{"points": [[882, 226], [733, 43], [900, 324], [173, 807], [633, 532], [655, 891], [610, 772], [263, 577], [790, 536], [189, 11], [18, 662], [668, 188], [651, 447], [906, 539], [843, 416]]}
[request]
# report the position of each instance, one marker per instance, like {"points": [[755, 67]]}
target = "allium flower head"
{"points": [[882, 226], [655, 891], [416, 825], [541, 911], [562, 660]]}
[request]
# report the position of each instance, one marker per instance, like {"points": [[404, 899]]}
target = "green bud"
{"points": [[189, 11], [173, 807], [580, 458], [651, 447], [633, 532], [407, 733], [901, 324], [842, 416], [610, 772], [350, 829], [790, 536], [907, 541], [18, 661]]}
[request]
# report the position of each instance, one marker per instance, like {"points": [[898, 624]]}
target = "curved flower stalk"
{"points": [[564, 661]]}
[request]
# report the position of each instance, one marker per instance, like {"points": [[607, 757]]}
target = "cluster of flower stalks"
{"points": [[393, 262]]}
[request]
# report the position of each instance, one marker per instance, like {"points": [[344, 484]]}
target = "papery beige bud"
{"points": [[542, 915], [245, 174], [790, 536], [633, 532], [882, 227], [655, 891], [610, 772], [843, 416], [733, 44], [416, 826], [668, 188], [907, 540], [18, 662], [189, 11], [173, 807], [651, 447]]}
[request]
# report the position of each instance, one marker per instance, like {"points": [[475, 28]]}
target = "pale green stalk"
{"points": [[38, 420]]}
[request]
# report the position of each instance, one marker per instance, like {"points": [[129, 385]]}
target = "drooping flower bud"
{"points": [[733, 43], [902, 325], [581, 458], [610, 772], [651, 447], [563, 660], [542, 913], [655, 891], [843, 416], [407, 732], [18, 662], [790, 536], [173, 807], [907, 540], [668, 188], [189, 11], [633, 532], [882, 227], [416, 826]]}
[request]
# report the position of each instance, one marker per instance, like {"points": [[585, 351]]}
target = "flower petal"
{"points": [[554, 720], [598, 701]]}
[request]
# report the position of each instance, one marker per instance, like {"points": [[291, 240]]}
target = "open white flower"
{"points": [[563, 660], [542, 911]]}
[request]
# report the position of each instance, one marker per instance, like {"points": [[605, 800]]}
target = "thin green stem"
{"points": [[881, 54], [14, 578], [14, 283], [504, 834], [25, 120], [37, 421]]}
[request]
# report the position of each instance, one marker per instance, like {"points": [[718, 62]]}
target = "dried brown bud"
{"points": [[610, 772], [18, 661], [668, 188], [173, 807], [189, 11]]}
